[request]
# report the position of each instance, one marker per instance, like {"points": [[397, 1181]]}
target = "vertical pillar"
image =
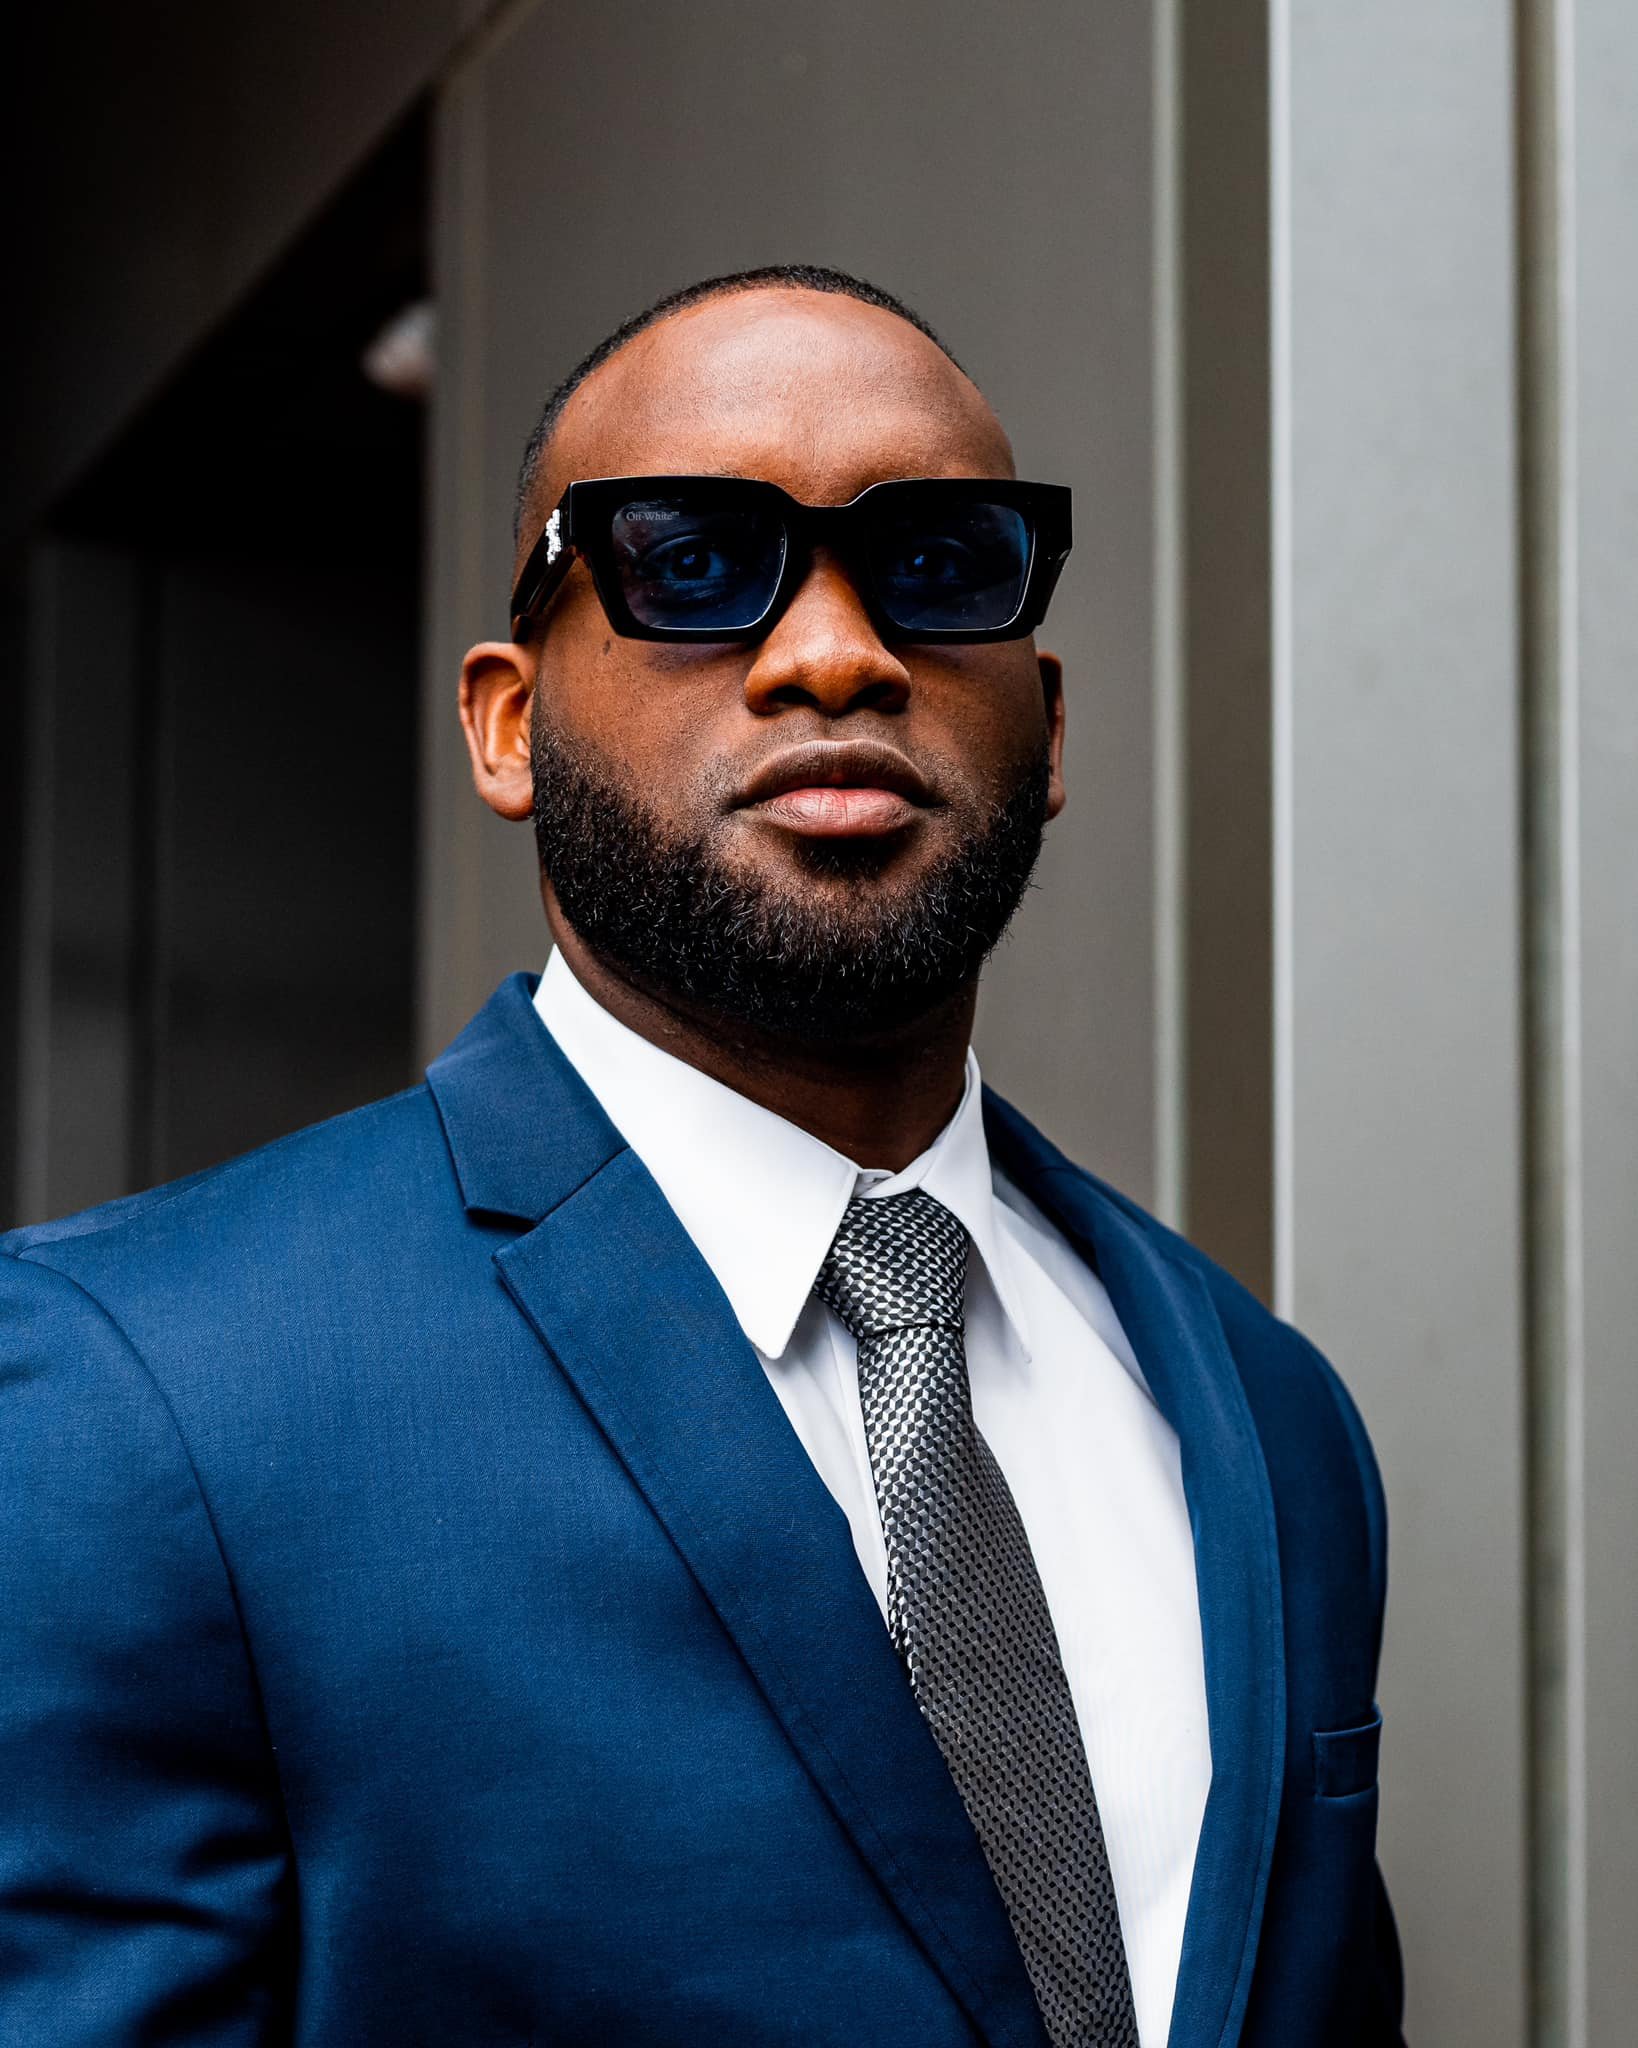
{"points": [[1355, 1131], [1579, 326], [1397, 1128]]}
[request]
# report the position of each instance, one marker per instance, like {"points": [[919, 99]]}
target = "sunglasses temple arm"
{"points": [[548, 564]]}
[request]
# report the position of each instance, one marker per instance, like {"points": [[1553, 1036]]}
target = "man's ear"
{"points": [[497, 695], [1052, 689]]}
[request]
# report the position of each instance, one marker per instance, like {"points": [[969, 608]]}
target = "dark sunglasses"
{"points": [[719, 558]]}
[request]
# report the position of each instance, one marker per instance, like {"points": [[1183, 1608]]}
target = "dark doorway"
{"points": [[222, 629]]}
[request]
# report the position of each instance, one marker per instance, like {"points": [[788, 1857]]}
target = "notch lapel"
{"points": [[624, 1305], [1167, 1312]]}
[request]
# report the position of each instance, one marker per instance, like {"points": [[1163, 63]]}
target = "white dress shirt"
{"points": [[1057, 1395]]}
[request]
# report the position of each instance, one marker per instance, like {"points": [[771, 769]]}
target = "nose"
{"points": [[826, 654]]}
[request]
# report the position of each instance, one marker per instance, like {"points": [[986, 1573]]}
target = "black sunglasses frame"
{"points": [[581, 526]]}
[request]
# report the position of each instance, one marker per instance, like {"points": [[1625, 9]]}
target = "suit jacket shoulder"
{"points": [[275, 1181], [311, 1208]]}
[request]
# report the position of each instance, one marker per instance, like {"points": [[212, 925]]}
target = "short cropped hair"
{"points": [[808, 277]]}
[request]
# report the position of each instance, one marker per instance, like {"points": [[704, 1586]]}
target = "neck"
{"points": [[880, 1104]]}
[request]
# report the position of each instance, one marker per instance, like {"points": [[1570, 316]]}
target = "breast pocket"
{"points": [[1345, 1759]]}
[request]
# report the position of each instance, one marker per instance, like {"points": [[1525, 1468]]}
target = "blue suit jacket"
{"points": [[420, 1624]]}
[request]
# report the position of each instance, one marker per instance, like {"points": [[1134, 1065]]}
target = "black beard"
{"points": [[676, 920]]}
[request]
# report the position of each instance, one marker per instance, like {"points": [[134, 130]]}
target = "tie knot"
{"points": [[895, 1264]]}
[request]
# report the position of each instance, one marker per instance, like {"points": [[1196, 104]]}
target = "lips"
{"points": [[839, 813], [838, 789]]}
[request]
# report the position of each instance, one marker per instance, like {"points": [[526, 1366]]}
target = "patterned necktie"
{"points": [[968, 1616]]}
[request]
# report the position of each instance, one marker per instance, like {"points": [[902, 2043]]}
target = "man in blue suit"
{"points": [[697, 1524]]}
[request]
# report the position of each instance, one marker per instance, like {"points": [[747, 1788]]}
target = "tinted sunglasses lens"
{"points": [[699, 566], [955, 567]]}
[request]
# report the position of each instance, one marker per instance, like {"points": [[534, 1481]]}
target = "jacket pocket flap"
{"points": [[1345, 1759]]}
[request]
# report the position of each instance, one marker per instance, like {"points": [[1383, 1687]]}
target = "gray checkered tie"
{"points": [[967, 1614]]}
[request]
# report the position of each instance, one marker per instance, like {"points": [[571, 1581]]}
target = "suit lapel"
{"points": [[625, 1306], [1168, 1314]]}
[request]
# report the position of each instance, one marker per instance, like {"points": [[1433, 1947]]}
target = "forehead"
{"points": [[813, 391]]}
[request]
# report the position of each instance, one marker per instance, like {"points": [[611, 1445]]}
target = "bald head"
{"points": [[794, 338]]}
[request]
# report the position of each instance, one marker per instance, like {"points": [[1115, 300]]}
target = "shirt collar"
{"points": [[760, 1197]]}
